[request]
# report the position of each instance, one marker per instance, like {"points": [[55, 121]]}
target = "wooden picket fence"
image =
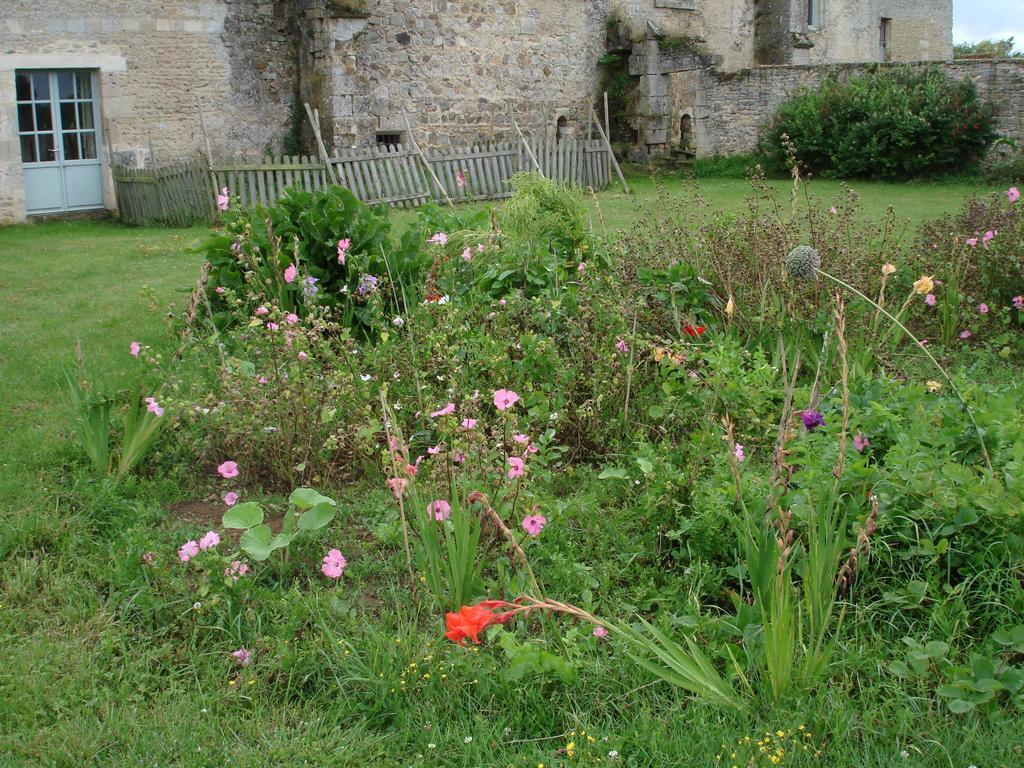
{"points": [[393, 175]]}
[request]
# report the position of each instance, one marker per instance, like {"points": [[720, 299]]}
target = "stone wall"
{"points": [[154, 59], [732, 109], [459, 69]]}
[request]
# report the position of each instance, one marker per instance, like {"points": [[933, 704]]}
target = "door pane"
{"points": [[25, 121], [22, 87], [85, 115], [41, 86], [71, 146], [44, 117], [88, 145], [68, 116], [65, 85], [46, 148], [84, 81], [28, 149]]}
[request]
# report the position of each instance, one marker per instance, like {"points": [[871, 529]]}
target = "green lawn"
{"points": [[84, 680]]}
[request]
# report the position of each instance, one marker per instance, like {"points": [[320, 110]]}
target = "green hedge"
{"points": [[892, 123]]}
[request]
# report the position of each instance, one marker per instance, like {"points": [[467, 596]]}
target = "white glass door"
{"points": [[58, 126]]}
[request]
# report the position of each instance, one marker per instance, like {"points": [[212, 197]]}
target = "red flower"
{"points": [[471, 620], [694, 330]]}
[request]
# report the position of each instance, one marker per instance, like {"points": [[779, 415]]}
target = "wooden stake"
{"points": [[430, 170], [314, 121], [209, 156], [607, 130], [526, 144], [608, 146]]}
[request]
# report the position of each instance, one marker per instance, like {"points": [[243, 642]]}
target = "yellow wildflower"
{"points": [[924, 285], [932, 386], [888, 269]]}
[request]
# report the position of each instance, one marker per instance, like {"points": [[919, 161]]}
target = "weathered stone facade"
{"points": [[456, 69]]}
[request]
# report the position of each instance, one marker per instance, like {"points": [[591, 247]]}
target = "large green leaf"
{"points": [[256, 542], [243, 516], [316, 517], [304, 498]]}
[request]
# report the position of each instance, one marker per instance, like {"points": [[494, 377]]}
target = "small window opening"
{"points": [[812, 13], [561, 128], [885, 39], [389, 139], [686, 131]]}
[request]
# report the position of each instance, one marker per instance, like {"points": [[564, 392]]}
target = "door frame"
{"points": [[57, 124]]}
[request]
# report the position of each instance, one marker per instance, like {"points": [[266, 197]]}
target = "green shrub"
{"points": [[889, 124]]}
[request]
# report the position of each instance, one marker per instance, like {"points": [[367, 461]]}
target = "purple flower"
{"points": [[309, 287], [367, 285], [812, 420], [930, 299], [860, 442]]}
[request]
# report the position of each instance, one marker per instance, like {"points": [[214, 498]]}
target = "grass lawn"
{"points": [[92, 673]]}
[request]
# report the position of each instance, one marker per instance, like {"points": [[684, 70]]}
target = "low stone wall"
{"points": [[733, 108]]}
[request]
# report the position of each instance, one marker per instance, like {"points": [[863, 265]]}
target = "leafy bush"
{"points": [[305, 231], [889, 124]]}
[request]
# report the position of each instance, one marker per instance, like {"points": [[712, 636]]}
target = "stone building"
{"points": [[86, 82]]}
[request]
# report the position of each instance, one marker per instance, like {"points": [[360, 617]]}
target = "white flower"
{"points": [[431, 745], [398, 322], [468, 739], [444, 299], [366, 377], [196, 606], [553, 416], [613, 754], [904, 754]]}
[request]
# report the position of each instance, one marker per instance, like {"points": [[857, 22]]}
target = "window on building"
{"points": [[885, 39], [686, 131], [561, 128], [389, 139], [813, 13]]}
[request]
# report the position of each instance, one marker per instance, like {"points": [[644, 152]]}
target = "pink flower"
{"points": [[965, 334], [1018, 302], [434, 450], [154, 407], [228, 470], [860, 442], [441, 238], [334, 564], [440, 509], [231, 498], [467, 255], [929, 299], [521, 438], [397, 486], [446, 411], [460, 179], [1013, 194], [210, 540], [972, 241], [516, 467], [219, 289], [223, 199], [833, 210], [243, 656], [260, 311], [987, 237], [502, 303], [738, 452], [343, 246], [600, 632], [303, 357], [134, 348], [469, 423], [273, 326], [505, 399], [148, 557], [291, 318], [459, 458], [480, 247], [983, 308], [581, 267], [621, 346], [188, 550], [236, 570], [262, 380], [290, 273], [534, 524]]}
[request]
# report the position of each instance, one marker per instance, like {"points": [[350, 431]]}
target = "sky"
{"points": [[975, 20]]}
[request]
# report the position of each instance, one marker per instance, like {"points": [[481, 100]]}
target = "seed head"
{"points": [[803, 262]]}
